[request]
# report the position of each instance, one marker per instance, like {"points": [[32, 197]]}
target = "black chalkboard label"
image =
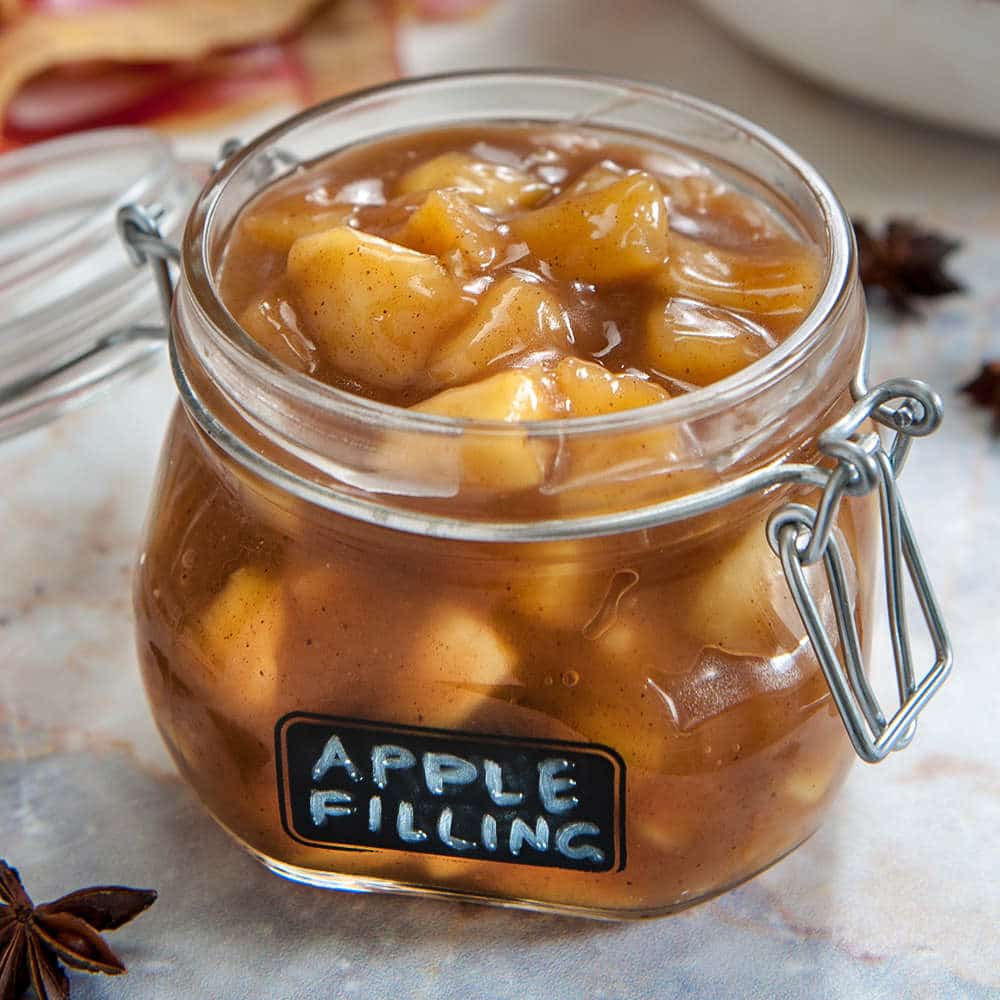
{"points": [[349, 784]]}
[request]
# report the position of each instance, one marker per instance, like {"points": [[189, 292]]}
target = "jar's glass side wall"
{"points": [[681, 649]]}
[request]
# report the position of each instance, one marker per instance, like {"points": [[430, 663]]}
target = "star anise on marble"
{"points": [[34, 940], [906, 262], [985, 390]]}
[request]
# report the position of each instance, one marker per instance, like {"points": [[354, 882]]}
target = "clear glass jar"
{"points": [[588, 689], [74, 312]]}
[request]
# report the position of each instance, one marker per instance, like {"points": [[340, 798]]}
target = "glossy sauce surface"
{"points": [[404, 267]]}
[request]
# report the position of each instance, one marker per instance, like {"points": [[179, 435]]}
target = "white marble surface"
{"points": [[897, 896]]}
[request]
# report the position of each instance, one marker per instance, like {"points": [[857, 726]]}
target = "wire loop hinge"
{"points": [[802, 536]]}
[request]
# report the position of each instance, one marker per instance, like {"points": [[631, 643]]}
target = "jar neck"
{"points": [[361, 467]]}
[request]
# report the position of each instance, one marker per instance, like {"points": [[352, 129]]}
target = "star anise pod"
{"points": [[35, 939], [905, 262], [985, 390]]}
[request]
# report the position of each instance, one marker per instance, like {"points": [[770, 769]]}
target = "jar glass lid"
{"points": [[75, 313]]}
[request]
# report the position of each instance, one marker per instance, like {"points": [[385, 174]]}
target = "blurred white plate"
{"points": [[937, 59]]}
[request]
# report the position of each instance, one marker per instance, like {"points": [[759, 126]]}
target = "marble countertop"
{"points": [[897, 896]]}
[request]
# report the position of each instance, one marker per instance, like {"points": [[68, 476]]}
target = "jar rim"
{"points": [[786, 357]]}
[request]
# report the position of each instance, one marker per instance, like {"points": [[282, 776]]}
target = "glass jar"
{"points": [[73, 309], [599, 665]]}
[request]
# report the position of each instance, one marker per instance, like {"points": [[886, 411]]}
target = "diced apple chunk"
{"points": [[777, 281], [266, 505], [271, 321], [497, 187], [702, 203], [513, 318], [277, 228], [458, 659], [239, 633], [377, 308], [661, 822], [615, 233], [610, 470], [742, 603], [591, 390], [448, 226], [598, 177], [513, 396], [808, 786], [701, 344], [625, 643], [553, 585], [315, 592], [512, 461]]}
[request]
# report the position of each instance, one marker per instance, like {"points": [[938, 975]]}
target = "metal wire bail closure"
{"points": [[802, 536]]}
